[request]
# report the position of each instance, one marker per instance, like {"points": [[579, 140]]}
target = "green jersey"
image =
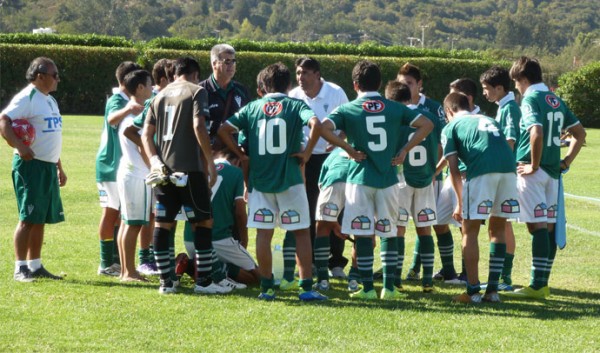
{"points": [[435, 108], [138, 121], [334, 168], [419, 165], [109, 153], [509, 117], [478, 141], [272, 126], [373, 125], [542, 107], [228, 188]]}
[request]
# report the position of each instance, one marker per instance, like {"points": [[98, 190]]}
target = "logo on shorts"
{"points": [[552, 101], [331, 209], [189, 212], [290, 217], [263, 215], [103, 196], [510, 206], [30, 209], [426, 215], [272, 108], [540, 210], [374, 106], [485, 207], [552, 210], [403, 215], [383, 226], [361, 223], [160, 209]]}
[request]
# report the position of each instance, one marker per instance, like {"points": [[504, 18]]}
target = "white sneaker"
{"points": [[112, 270], [228, 282], [167, 290], [353, 285], [337, 272], [212, 288], [322, 286]]}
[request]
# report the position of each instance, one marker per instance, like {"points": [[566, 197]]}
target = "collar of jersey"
{"points": [[412, 106], [274, 95], [422, 99], [536, 87], [222, 161], [510, 96], [475, 110], [462, 113], [369, 94]]}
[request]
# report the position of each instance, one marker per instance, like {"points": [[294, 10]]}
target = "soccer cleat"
{"points": [[43, 273], [468, 299], [491, 298], [546, 290], [148, 269], [428, 288], [167, 287], [322, 285], [113, 270], [353, 285], [439, 276], [387, 294], [528, 293], [361, 294], [309, 296], [212, 288], [286, 285], [268, 295], [454, 280], [503, 287], [413, 276], [23, 274], [462, 277], [337, 272], [228, 282]]}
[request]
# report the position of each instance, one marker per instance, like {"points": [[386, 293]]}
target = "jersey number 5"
{"points": [[377, 131]]}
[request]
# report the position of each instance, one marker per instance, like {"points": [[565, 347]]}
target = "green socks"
{"points": [[426, 249], [540, 249], [106, 252], [389, 260], [289, 256], [497, 255], [321, 252], [364, 260], [445, 245], [507, 268], [416, 262], [398, 277]]}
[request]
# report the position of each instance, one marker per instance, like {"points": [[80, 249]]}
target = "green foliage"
{"points": [[87, 74], [92, 40], [581, 90]]}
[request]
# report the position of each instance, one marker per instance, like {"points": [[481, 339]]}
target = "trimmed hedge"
{"points": [[91, 40], [581, 90], [87, 73]]}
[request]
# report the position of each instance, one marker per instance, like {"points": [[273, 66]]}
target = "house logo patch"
{"points": [[540, 210], [510, 206], [361, 223], [263, 215], [290, 217], [485, 207], [426, 215]]}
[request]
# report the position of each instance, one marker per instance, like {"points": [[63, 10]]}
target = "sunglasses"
{"points": [[229, 61]]}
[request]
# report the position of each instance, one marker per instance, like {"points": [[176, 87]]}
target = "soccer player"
{"points": [[176, 142], [373, 126], [273, 128], [118, 107], [467, 87], [544, 115], [322, 97], [417, 198], [134, 194], [489, 191], [225, 95], [496, 88], [37, 171]]}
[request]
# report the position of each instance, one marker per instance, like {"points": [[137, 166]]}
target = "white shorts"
{"points": [[135, 198], [109, 194], [230, 251], [538, 196], [371, 211], [445, 202], [287, 209], [493, 194], [331, 202], [418, 203]]}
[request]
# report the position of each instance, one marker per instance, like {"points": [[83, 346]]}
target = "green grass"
{"points": [[88, 313]]}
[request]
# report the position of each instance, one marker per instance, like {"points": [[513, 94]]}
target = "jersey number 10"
{"points": [[267, 135]]}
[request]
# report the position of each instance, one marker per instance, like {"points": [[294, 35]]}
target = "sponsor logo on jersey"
{"points": [[402, 215], [219, 166], [361, 223], [485, 207], [510, 206], [272, 108], [540, 210], [373, 106], [263, 215], [383, 226], [331, 209], [426, 215], [238, 100], [290, 217], [53, 123], [552, 101]]}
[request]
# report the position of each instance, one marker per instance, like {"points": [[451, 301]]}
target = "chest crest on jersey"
{"points": [[552, 101], [373, 106], [272, 108]]}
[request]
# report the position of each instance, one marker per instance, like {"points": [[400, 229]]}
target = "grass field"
{"points": [[88, 313]]}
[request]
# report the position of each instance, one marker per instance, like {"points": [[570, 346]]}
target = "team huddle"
{"points": [[324, 169]]}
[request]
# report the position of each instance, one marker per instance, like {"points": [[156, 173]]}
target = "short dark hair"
{"points": [[276, 78], [124, 68], [39, 65], [465, 85], [186, 66], [135, 78], [308, 63], [456, 102], [397, 91], [162, 68], [496, 76], [367, 75], [525, 67], [411, 70]]}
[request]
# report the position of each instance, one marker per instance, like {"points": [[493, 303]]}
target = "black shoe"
{"points": [[43, 273], [24, 274]]}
